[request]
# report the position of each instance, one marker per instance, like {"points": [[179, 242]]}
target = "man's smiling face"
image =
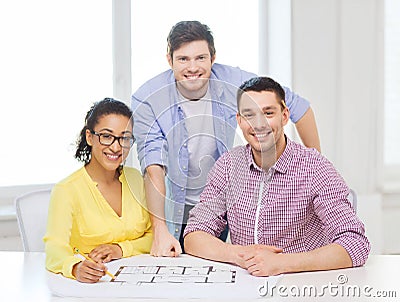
{"points": [[262, 120], [191, 64]]}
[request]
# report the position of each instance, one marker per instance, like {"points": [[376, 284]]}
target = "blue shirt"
{"points": [[159, 128]]}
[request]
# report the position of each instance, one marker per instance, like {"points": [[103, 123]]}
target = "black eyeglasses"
{"points": [[107, 139]]}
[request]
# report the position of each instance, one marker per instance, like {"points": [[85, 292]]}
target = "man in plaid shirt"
{"points": [[286, 205]]}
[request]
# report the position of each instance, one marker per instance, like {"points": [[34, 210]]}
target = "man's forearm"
{"points": [[332, 256], [307, 129], [155, 194], [204, 245], [164, 244]]}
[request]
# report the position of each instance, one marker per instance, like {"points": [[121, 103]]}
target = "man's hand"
{"points": [[105, 253], [261, 260], [88, 271], [164, 244]]}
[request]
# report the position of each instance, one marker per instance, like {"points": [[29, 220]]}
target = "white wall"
{"points": [[338, 65], [337, 60]]}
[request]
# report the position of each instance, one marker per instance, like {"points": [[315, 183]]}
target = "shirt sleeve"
{"points": [[141, 245], [342, 226], [208, 214], [59, 254], [151, 143], [296, 104]]}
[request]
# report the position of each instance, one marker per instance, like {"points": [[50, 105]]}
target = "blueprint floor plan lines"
{"points": [[180, 278], [173, 274]]}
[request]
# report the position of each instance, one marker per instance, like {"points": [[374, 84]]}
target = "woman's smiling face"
{"points": [[112, 156]]}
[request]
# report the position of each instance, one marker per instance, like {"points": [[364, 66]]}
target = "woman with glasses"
{"points": [[99, 210]]}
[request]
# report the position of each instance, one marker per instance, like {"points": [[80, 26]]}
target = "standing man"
{"points": [[286, 205], [184, 121]]}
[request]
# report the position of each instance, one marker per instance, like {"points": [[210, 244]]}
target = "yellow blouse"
{"points": [[79, 216]]}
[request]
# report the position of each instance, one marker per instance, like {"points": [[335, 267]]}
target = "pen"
{"points": [[87, 258]]}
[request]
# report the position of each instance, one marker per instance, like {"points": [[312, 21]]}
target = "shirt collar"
{"points": [[216, 85], [250, 160], [282, 163]]}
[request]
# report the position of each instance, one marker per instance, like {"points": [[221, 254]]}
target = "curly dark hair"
{"points": [[98, 109]]}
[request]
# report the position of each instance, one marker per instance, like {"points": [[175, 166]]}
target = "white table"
{"points": [[24, 278], [379, 276]]}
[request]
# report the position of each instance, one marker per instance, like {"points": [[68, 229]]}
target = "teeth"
{"points": [[112, 157], [192, 77], [261, 135]]}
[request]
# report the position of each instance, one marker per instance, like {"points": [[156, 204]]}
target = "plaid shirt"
{"points": [[303, 203]]}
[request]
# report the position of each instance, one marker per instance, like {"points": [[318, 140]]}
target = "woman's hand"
{"points": [[88, 271], [106, 252]]}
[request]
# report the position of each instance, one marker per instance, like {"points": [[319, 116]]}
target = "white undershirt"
{"points": [[201, 144]]}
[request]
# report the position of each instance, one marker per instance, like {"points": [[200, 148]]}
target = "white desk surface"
{"points": [[24, 278]]}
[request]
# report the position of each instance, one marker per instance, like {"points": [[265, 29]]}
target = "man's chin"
{"points": [[195, 89], [263, 147], [194, 84]]}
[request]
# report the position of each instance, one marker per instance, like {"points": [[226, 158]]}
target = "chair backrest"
{"points": [[32, 209], [352, 197]]}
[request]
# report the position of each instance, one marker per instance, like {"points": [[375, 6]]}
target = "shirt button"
{"points": [[184, 167], [185, 144], [179, 211], [182, 189], [176, 230]]}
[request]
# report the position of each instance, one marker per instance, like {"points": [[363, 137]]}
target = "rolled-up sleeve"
{"points": [[151, 143], [140, 245], [342, 226], [297, 105]]}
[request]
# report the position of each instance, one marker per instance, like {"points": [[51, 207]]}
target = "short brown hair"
{"points": [[189, 31], [262, 84]]}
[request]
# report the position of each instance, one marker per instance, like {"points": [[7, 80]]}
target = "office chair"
{"points": [[352, 197], [32, 209]]}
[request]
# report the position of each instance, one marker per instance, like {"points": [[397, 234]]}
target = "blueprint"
{"points": [[174, 274], [176, 278]]}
